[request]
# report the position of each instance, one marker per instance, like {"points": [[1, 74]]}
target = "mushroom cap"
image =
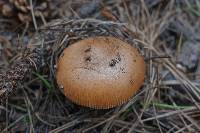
{"points": [[100, 72]]}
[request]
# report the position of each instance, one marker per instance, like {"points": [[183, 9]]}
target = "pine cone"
{"points": [[18, 71], [22, 9]]}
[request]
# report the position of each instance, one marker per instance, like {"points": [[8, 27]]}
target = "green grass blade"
{"points": [[45, 81], [195, 11]]}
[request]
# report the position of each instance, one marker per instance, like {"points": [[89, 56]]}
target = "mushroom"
{"points": [[100, 72]]}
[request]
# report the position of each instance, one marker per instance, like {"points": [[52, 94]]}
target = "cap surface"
{"points": [[100, 72]]}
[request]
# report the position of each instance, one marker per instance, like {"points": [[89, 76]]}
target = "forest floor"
{"points": [[169, 33]]}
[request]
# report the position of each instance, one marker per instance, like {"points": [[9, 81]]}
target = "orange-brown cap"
{"points": [[100, 72]]}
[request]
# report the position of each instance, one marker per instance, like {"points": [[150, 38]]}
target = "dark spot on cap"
{"points": [[113, 62], [88, 59], [88, 49]]}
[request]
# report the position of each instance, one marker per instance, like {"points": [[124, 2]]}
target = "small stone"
{"points": [[189, 55]]}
